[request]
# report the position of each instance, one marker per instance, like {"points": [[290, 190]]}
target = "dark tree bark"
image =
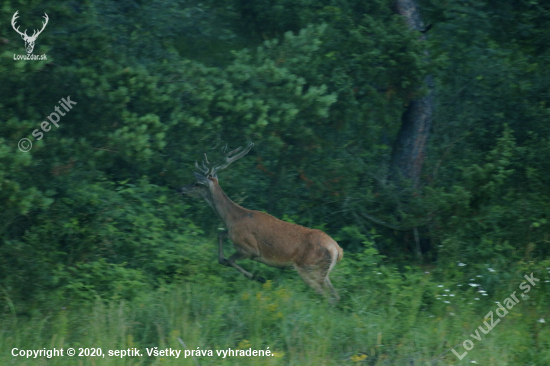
{"points": [[410, 147]]}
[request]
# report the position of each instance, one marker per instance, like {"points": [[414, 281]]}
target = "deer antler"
{"points": [[229, 159], [205, 170]]}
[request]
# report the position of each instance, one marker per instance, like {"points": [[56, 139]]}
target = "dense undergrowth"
{"points": [[385, 317]]}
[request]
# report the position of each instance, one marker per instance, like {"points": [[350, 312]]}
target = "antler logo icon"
{"points": [[29, 40]]}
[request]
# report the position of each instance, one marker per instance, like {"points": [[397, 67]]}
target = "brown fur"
{"points": [[266, 239]]}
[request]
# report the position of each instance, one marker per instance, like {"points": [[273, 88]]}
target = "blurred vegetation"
{"points": [[98, 250]]}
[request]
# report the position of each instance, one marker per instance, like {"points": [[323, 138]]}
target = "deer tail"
{"points": [[340, 253]]}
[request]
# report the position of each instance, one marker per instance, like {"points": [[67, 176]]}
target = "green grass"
{"points": [[385, 322]]}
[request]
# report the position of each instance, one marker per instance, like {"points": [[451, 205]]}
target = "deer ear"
{"points": [[201, 178]]}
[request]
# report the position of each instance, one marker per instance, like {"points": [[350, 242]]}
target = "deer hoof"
{"points": [[259, 279]]}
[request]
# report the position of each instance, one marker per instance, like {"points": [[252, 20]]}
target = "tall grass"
{"points": [[392, 325]]}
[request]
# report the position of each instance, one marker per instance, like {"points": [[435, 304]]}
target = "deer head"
{"points": [[207, 176], [29, 40]]}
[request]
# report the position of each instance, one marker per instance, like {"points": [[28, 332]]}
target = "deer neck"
{"points": [[226, 209]]}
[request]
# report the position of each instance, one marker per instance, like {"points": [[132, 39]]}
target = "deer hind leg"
{"points": [[333, 259], [316, 276], [311, 277], [335, 297]]}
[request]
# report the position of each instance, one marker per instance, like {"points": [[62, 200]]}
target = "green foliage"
{"points": [[357, 265]]}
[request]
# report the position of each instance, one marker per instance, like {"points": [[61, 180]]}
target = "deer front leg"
{"points": [[221, 259], [240, 255], [231, 261]]}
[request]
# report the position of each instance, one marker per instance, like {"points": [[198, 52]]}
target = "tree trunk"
{"points": [[410, 147]]}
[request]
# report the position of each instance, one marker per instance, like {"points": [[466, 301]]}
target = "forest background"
{"points": [[441, 210]]}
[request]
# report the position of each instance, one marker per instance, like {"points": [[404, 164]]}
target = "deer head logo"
{"points": [[29, 40]]}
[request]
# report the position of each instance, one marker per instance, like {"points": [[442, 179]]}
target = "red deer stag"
{"points": [[264, 238]]}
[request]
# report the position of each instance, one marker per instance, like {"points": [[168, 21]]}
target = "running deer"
{"points": [[264, 238]]}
